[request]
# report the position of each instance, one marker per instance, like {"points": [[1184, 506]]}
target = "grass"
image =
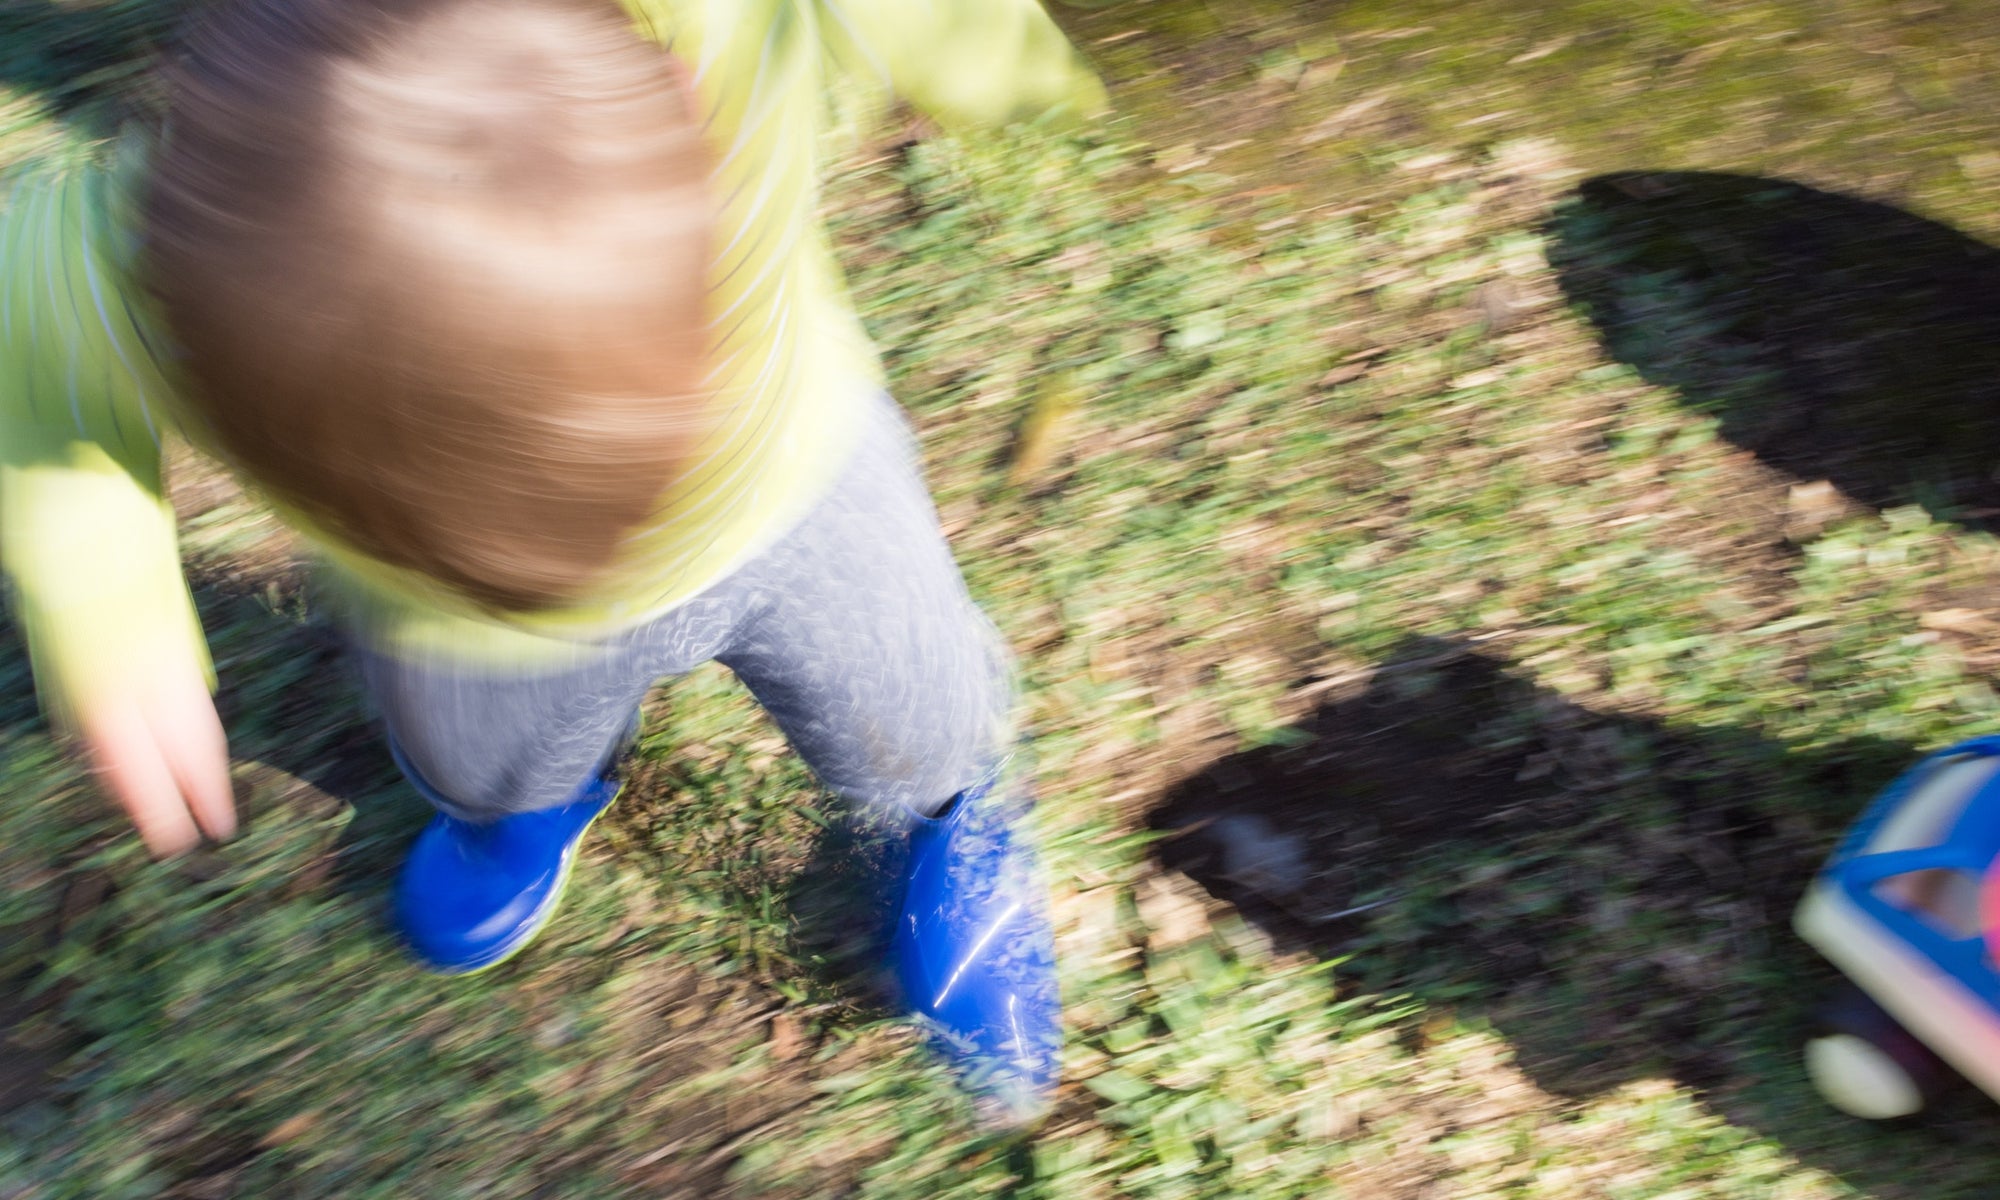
{"points": [[1433, 518]]}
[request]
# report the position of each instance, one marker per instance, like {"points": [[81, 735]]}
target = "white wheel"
{"points": [[1862, 1079]]}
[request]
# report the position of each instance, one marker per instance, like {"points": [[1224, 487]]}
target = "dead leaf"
{"points": [[291, 1129], [1172, 914], [1347, 373], [1810, 508], [785, 1037], [1818, 495], [1334, 125], [1959, 620], [1552, 46], [1045, 431], [1501, 304]]}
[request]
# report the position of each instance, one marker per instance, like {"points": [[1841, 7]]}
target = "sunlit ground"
{"points": [[1474, 533]]}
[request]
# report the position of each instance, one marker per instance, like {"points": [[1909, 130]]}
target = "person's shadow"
{"points": [[1613, 896], [1836, 338]]}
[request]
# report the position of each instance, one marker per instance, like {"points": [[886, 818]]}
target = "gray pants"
{"points": [[854, 630]]}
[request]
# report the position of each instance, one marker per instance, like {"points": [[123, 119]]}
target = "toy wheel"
{"points": [[1866, 1065]]}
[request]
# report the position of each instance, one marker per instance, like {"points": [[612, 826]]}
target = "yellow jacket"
{"points": [[86, 381]]}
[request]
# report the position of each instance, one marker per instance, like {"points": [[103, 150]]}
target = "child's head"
{"points": [[437, 268]]}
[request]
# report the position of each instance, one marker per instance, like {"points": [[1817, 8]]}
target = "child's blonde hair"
{"points": [[436, 270]]}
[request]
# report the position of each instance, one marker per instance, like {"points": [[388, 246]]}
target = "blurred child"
{"points": [[519, 311]]}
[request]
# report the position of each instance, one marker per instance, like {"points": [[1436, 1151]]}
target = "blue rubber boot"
{"points": [[471, 896], [975, 955]]}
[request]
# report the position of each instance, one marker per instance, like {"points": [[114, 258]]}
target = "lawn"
{"points": [[1482, 493]]}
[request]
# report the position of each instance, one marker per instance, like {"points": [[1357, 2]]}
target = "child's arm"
{"points": [[966, 62], [86, 533]]}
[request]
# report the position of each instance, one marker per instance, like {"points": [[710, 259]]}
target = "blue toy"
{"points": [[1902, 908]]}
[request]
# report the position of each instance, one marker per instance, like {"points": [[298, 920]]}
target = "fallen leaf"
{"points": [[1810, 508], [1552, 46], [291, 1129], [1958, 620], [784, 1037], [1045, 430], [1173, 916], [1346, 373]]}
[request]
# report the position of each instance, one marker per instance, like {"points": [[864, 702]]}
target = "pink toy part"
{"points": [[1989, 910]]}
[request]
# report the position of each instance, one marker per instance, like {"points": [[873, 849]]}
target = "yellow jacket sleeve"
{"points": [[965, 62], [86, 532]]}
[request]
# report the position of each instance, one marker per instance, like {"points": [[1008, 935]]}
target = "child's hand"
{"points": [[158, 745]]}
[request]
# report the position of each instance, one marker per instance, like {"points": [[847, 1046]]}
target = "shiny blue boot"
{"points": [[975, 955], [471, 896]]}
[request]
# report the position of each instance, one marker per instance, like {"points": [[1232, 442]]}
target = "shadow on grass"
{"points": [[84, 62], [305, 759], [1612, 896], [841, 906], [239, 987], [303, 738], [1835, 338]]}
